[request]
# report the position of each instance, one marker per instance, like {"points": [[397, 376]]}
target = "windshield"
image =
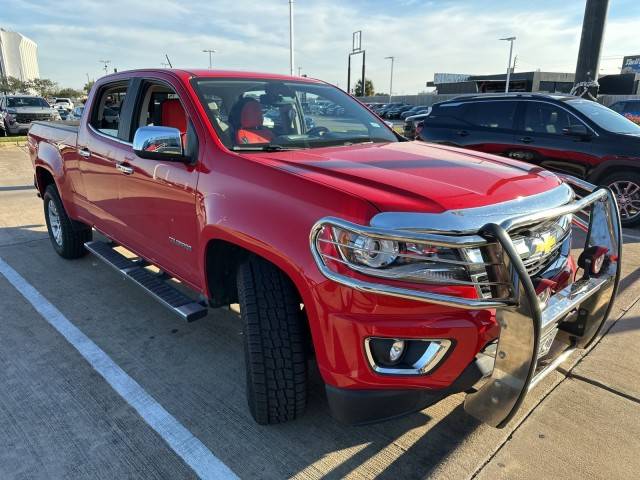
{"points": [[605, 117], [17, 102], [259, 115]]}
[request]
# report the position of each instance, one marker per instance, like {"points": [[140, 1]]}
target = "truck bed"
{"points": [[54, 132]]}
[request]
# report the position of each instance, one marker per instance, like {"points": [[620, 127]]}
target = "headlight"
{"points": [[403, 261]]}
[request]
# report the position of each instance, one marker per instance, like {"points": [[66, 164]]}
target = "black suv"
{"points": [[563, 133]]}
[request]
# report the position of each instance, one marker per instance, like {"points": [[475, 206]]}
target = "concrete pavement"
{"points": [[58, 418]]}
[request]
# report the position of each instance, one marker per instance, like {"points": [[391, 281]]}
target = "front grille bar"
{"points": [[579, 311]]}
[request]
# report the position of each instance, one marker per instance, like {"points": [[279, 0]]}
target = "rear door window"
{"points": [[494, 115], [547, 118], [106, 111]]}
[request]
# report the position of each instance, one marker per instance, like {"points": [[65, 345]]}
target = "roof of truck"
{"points": [[204, 73]]}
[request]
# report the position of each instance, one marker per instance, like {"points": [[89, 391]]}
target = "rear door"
{"points": [[540, 139], [486, 126], [102, 146]]}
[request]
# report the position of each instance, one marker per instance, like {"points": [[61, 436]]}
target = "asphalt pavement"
{"points": [[64, 414]]}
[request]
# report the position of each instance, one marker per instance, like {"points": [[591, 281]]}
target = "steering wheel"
{"points": [[318, 131]]}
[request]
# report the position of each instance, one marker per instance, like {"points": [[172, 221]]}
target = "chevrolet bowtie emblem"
{"points": [[545, 244]]}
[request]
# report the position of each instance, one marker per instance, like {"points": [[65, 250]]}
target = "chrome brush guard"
{"points": [[578, 311]]}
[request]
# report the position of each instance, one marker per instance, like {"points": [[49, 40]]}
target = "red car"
{"points": [[408, 271]]}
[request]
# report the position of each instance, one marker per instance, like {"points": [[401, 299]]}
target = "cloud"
{"points": [[426, 37]]}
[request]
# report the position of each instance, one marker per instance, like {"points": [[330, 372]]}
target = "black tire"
{"points": [[629, 205], [69, 242], [275, 356]]}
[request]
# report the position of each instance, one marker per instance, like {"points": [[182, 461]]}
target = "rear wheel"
{"points": [[275, 357], [626, 187], [67, 237]]}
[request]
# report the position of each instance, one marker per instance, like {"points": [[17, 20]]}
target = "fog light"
{"points": [[397, 349], [593, 260]]}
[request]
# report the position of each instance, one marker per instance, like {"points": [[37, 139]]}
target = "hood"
{"points": [[416, 176]]}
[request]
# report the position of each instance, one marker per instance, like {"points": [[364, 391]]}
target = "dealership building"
{"points": [[18, 56], [627, 83]]}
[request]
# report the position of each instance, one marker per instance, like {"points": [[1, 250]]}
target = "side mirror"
{"points": [[159, 143], [580, 131]]}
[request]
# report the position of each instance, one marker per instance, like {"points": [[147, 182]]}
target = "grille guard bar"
{"points": [[579, 311]]}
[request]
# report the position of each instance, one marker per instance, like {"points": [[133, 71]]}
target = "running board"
{"points": [[176, 301]]}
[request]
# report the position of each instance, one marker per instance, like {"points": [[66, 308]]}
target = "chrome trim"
{"points": [[470, 220], [109, 137], [430, 359], [578, 312]]}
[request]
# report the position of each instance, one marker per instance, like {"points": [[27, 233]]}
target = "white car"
{"points": [[63, 103]]}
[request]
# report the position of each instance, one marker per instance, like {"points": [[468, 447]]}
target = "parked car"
{"points": [[76, 114], [413, 124], [388, 107], [18, 111], [413, 111], [394, 113], [628, 108], [411, 271], [561, 133], [63, 103]]}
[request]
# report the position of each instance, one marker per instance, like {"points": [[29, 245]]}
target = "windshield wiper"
{"points": [[262, 148]]}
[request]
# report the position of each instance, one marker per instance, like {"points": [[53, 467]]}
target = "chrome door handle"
{"points": [[526, 140], [124, 169], [84, 152]]}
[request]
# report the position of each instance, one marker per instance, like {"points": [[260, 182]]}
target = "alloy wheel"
{"points": [[628, 196], [54, 223]]}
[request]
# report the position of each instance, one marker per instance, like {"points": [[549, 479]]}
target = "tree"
{"points": [[43, 86], [68, 93], [13, 85], [88, 86], [368, 88]]}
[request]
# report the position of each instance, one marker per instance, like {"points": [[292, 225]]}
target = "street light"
{"points": [[210, 52], [510, 40], [291, 63], [106, 65], [391, 80]]}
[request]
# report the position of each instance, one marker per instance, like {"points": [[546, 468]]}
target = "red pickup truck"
{"points": [[407, 271]]}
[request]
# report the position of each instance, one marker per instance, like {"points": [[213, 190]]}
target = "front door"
{"points": [[157, 198]]}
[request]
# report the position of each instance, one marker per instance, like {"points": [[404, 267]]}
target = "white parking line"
{"points": [[203, 462]]}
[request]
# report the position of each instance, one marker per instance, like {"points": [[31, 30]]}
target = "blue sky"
{"points": [[425, 36]]}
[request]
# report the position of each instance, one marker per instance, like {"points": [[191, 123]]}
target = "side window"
{"points": [[448, 114], [105, 115], [618, 107], [546, 118], [632, 108], [500, 114], [160, 106]]}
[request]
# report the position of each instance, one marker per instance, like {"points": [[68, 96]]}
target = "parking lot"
{"points": [[60, 417]]}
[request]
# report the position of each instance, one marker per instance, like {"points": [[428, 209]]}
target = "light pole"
{"points": [[510, 40], [291, 62], [106, 65], [299, 71], [210, 52], [391, 80]]}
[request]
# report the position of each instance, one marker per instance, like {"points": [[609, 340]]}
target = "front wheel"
{"points": [[274, 340], [626, 187], [67, 237]]}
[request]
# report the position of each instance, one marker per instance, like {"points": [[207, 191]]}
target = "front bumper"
{"points": [[577, 312]]}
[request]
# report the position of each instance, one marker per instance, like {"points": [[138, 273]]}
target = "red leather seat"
{"points": [[173, 115], [251, 129]]}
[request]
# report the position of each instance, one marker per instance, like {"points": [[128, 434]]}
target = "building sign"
{"points": [[631, 64], [439, 78]]}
